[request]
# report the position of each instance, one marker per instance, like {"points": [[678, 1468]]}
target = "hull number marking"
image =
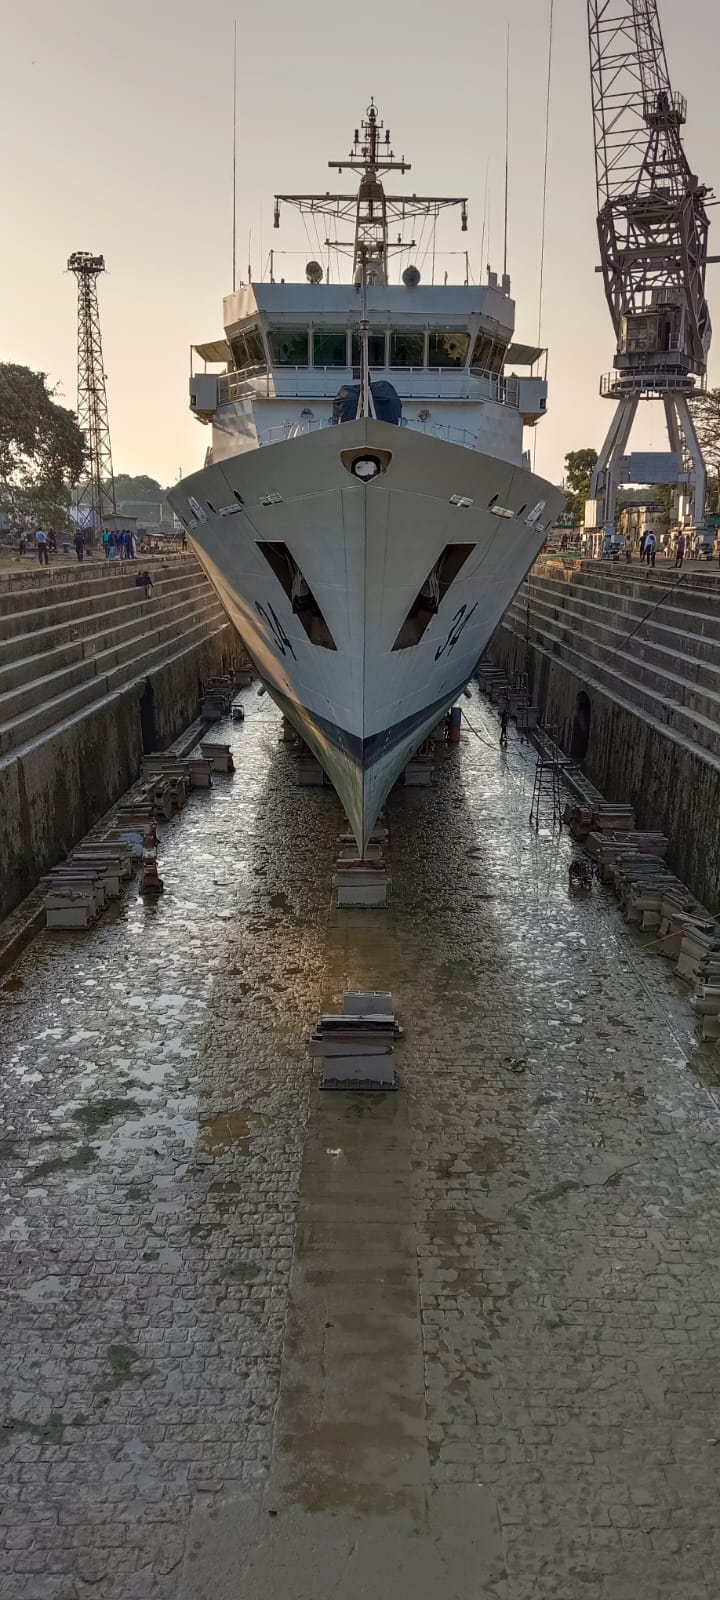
{"points": [[460, 619], [272, 621]]}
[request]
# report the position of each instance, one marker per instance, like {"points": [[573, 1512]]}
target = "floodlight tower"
{"points": [[96, 491], [653, 232]]}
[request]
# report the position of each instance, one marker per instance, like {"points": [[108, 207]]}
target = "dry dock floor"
{"points": [[263, 1343]]}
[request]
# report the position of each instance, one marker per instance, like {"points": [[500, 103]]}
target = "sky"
{"points": [[118, 114]]}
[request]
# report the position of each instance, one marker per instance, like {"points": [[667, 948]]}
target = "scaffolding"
{"points": [[550, 767]]}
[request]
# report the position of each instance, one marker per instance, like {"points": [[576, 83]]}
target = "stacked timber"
{"points": [[602, 819], [77, 891], [679, 909], [698, 946]]}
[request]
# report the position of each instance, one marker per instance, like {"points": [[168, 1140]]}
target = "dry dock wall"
{"points": [[671, 782], [55, 786]]}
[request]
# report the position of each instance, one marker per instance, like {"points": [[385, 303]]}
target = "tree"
{"points": [[42, 450], [141, 487], [705, 410], [579, 468]]}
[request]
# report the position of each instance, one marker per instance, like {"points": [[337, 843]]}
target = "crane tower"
{"points": [[96, 491], [653, 231]]}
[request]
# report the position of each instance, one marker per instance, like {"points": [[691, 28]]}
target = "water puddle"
{"points": [[230, 1128]]}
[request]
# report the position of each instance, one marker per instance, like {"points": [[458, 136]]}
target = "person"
{"points": [[503, 729], [143, 580], [131, 545], [121, 544], [52, 542], [680, 550], [643, 537], [42, 547], [79, 545], [650, 548], [107, 541], [22, 543], [183, 540]]}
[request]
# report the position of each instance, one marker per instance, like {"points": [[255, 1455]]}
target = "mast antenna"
{"points": [[507, 151], [234, 163]]}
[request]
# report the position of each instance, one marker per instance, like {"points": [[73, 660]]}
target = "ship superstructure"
{"points": [[366, 510]]}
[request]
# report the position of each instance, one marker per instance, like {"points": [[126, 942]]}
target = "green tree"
{"points": [[42, 450], [140, 487], [579, 467], [705, 410]]}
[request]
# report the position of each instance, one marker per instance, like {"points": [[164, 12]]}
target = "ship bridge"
{"points": [[447, 350]]}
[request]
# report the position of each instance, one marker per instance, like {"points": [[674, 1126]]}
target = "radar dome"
{"points": [[314, 272], [411, 277]]}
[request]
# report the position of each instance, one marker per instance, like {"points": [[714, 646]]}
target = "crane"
{"points": [[653, 232]]}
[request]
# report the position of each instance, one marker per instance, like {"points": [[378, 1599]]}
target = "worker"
{"points": [[680, 550], [650, 548]]}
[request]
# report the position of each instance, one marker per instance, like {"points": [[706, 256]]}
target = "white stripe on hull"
{"points": [[365, 551]]}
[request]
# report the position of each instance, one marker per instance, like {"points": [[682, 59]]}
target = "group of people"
{"points": [[120, 543], [648, 548]]}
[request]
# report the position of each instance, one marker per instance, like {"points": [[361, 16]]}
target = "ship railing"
{"points": [[412, 383], [443, 430], [238, 385], [436, 430], [293, 430]]}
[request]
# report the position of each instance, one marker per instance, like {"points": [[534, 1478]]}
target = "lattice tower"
{"points": [[96, 490]]}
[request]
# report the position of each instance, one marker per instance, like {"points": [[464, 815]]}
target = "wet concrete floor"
{"points": [[260, 1341]]}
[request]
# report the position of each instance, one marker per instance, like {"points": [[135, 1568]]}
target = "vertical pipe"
{"points": [[507, 150]]}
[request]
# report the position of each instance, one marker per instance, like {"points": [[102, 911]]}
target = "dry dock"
{"points": [[260, 1341]]}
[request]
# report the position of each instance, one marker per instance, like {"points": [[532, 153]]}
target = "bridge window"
{"points": [[448, 349], [330, 347], [407, 349], [289, 347], [248, 349], [489, 352], [376, 348]]}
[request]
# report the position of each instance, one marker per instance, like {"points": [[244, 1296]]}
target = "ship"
{"points": [[367, 510]]}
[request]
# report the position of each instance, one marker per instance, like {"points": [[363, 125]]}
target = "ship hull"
{"points": [[365, 551]]}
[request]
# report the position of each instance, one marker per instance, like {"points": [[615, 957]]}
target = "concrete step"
{"points": [[670, 609], [60, 645], [37, 590], [682, 655], [42, 718], [586, 659], [700, 700], [72, 612], [14, 702]]}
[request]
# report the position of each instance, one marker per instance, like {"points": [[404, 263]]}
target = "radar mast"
{"points": [[371, 208]]}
